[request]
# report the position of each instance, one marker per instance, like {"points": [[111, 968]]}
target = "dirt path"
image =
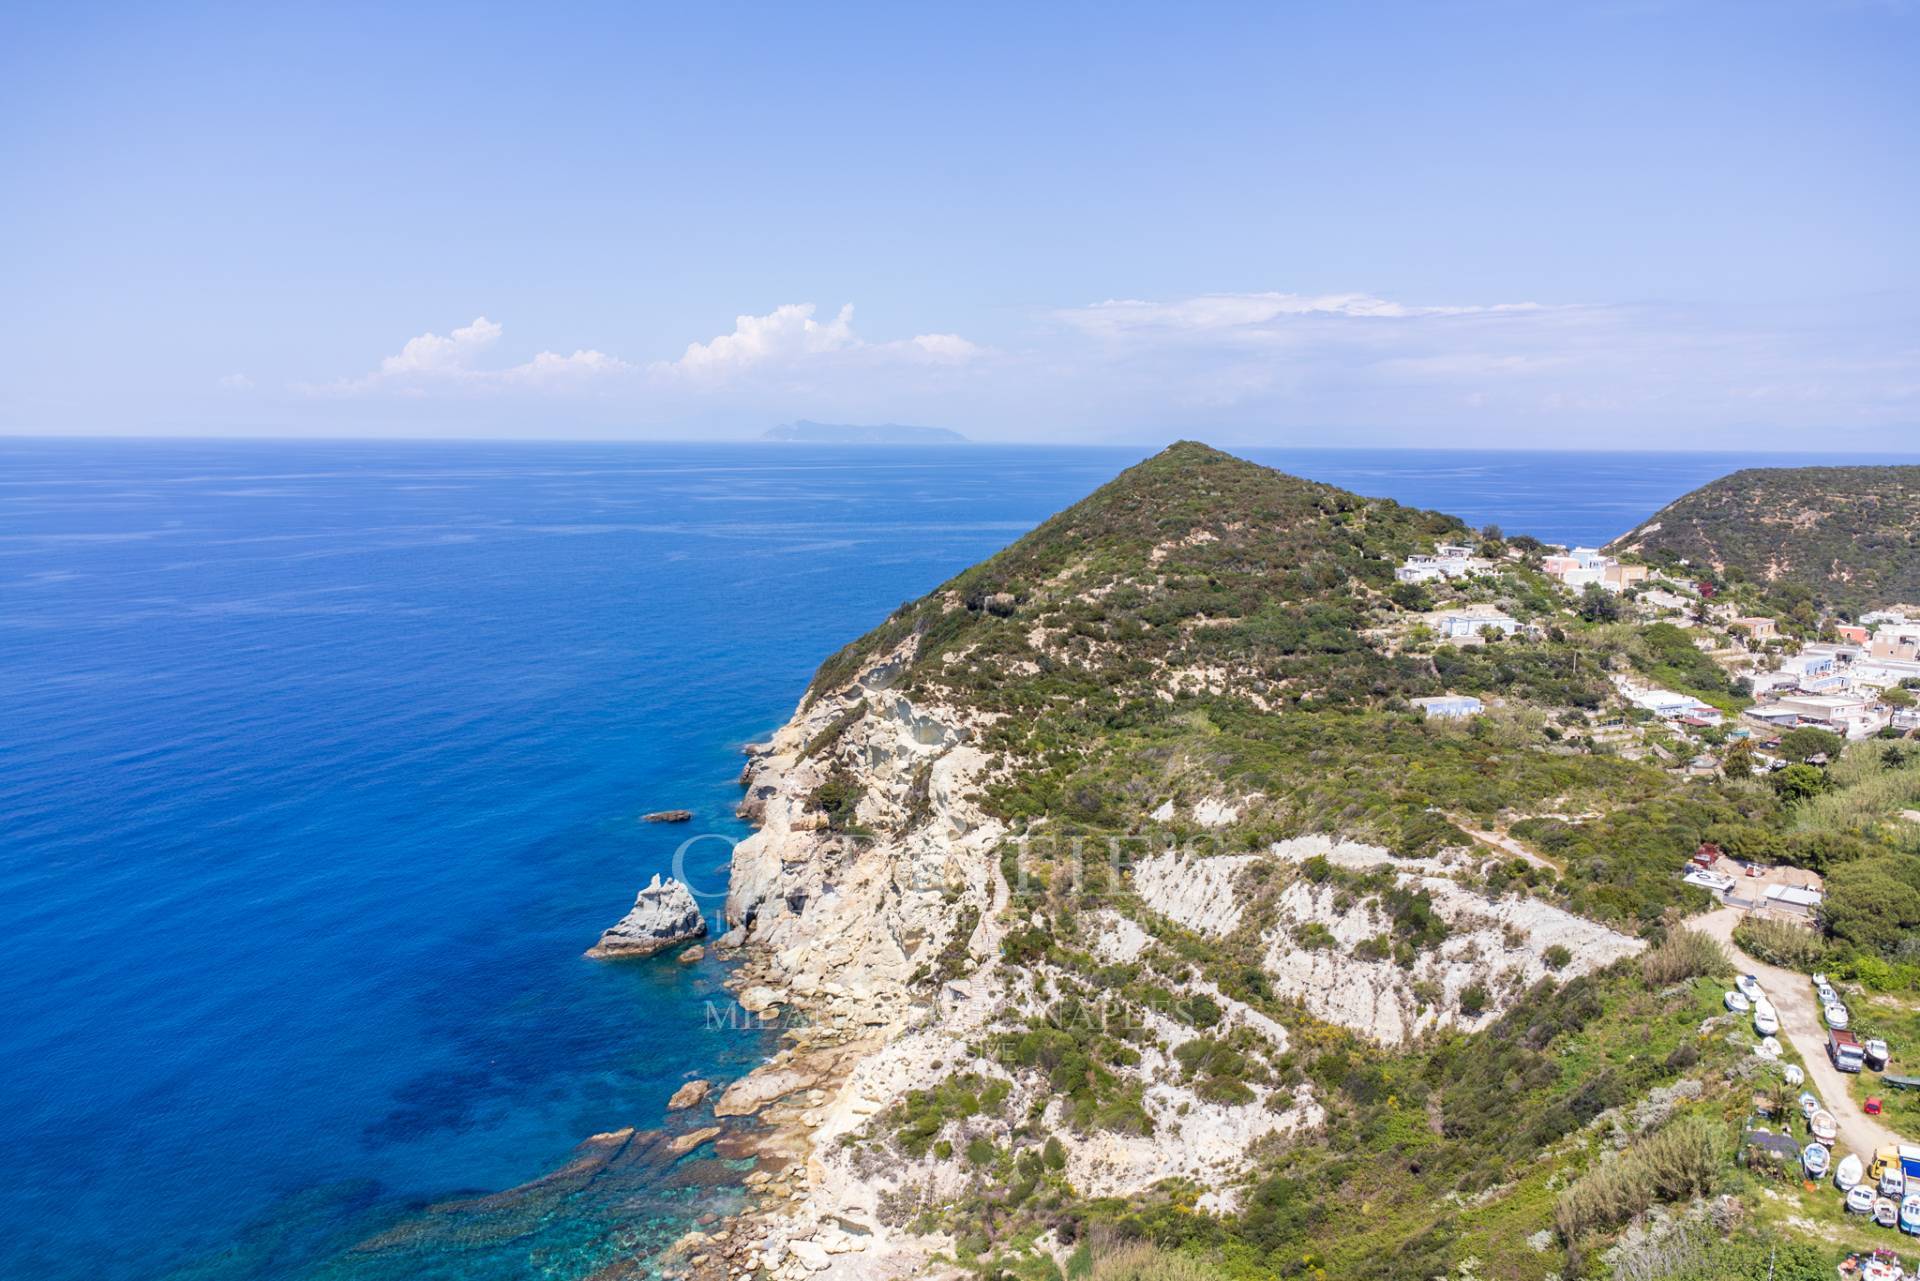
{"points": [[1792, 995], [1505, 844]]}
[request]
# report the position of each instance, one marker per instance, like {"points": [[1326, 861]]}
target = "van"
{"points": [[1844, 1049]]}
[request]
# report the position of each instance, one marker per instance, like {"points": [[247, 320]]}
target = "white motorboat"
{"points": [[1835, 1015], [1749, 985], [1765, 1021], [1824, 1127], [1860, 1199], [1910, 1215], [1827, 996], [1819, 979], [1738, 1003], [1816, 1158], [1795, 1074], [1809, 1103], [1877, 1053], [1886, 1212], [1848, 1173], [1882, 1265], [1769, 1048]]}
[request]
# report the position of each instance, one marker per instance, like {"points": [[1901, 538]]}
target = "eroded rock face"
{"points": [[864, 911], [1332, 949], [664, 914]]}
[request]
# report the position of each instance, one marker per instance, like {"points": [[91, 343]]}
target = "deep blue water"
{"points": [[321, 763]]}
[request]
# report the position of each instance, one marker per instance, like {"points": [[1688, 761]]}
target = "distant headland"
{"points": [[856, 434]]}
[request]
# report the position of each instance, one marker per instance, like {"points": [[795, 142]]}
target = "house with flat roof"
{"points": [[1472, 621], [1449, 706]]}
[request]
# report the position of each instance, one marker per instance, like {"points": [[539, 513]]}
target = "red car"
{"points": [[1873, 1106]]}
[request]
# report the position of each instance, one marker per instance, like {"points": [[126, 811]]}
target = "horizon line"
{"points": [[930, 446]]}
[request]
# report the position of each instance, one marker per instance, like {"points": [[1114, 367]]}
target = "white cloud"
{"points": [[234, 382], [1216, 313], [785, 333], [432, 354], [940, 349], [433, 362], [790, 339]]}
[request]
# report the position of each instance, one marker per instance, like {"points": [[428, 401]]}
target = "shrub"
{"points": [[1677, 1163], [1780, 943], [1142, 1262], [1473, 999], [1557, 957], [1684, 954]]}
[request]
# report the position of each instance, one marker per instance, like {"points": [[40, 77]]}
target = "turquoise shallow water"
{"points": [[321, 763]]}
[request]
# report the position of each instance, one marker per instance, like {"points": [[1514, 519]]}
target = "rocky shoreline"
{"points": [[827, 931]]}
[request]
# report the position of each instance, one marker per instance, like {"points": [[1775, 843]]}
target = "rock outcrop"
{"points": [[692, 1094], [664, 914]]}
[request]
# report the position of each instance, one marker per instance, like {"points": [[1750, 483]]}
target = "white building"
{"points": [[1668, 705], [1449, 706], [1450, 561], [1458, 624]]}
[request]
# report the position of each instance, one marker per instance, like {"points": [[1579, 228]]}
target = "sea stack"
{"points": [[664, 914]]}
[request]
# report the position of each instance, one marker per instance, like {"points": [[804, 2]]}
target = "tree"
{"points": [[1874, 903], [1807, 742], [1598, 605], [1799, 782], [1898, 696], [1411, 596]]}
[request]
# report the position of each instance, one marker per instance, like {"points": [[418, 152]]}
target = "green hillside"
{"points": [[1847, 536]]}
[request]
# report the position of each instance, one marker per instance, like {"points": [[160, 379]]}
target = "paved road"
{"points": [[1792, 995]]}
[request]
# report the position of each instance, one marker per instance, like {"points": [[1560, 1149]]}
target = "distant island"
{"points": [[810, 433]]}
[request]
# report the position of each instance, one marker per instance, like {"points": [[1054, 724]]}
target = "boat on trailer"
{"points": [[1910, 1215], [1886, 1212], [1882, 1265]]}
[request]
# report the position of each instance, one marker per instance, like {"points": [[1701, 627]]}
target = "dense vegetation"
{"points": [[1849, 536]]}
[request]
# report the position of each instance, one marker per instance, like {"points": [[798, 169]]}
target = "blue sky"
{"points": [[1685, 225]]}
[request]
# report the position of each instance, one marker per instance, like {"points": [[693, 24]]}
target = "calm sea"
{"points": [[321, 763]]}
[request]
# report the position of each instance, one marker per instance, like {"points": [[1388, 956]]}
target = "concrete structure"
{"points": [[1852, 715], [1472, 621], [1442, 564], [1669, 705], [1450, 706], [1759, 628]]}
